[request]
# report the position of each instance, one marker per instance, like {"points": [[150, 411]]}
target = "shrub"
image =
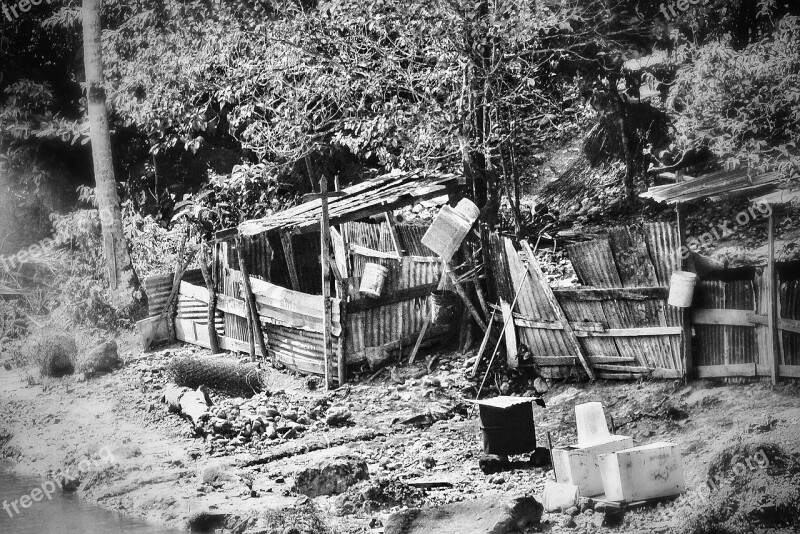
{"points": [[54, 353]]}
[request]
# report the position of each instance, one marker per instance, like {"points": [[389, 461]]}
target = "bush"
{"points": [[54, 353]]}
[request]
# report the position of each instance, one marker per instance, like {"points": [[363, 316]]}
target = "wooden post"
{"points": [[772, 303], [686, 313], [395, 236], [465, 298], [427, 322], [212, 301], [250, 299], [325, 240]]}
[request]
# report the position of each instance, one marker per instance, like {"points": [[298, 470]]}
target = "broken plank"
{"points": [[550, 361], [789, 325], [723, 371]]}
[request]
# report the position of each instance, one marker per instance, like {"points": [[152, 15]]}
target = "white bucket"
{"points": [[681, 289], [373, 279], [450, 227]]}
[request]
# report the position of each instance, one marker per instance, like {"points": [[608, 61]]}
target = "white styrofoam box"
{"points": [[578, 464], [559, 496], [590, 420], [645, 472]]}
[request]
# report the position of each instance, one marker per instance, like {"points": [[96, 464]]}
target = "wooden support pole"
{"points": [[465, 299], [256, 330], [211, 316], [325, 241], [772, 302], [686, 315]]}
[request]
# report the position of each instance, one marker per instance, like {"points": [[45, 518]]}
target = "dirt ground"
{"points": [[419, 425]]}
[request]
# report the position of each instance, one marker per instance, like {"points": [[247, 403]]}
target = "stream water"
{"points": [[62, 513]]}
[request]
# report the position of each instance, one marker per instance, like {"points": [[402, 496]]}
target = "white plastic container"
{"points": [[450, 227], [373, 279], [681, 289]]}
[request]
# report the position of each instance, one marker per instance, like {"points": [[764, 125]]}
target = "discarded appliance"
{"points": [[578, 464], [645, 472], [450, 227], [681, 289], [507, 425]]}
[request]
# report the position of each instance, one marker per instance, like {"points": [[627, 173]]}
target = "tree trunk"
{"points": [[212, 301], [122, 278]]}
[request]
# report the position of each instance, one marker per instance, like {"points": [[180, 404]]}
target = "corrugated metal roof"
{"points": [[362, 200], [728, 183]]}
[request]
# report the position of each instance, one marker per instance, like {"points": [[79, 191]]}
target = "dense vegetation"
{"points": [[228, 110]]}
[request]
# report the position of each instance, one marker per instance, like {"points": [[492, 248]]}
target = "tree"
{"points": [[122, 278]]}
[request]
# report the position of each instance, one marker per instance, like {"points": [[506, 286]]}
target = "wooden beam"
{"points": [[250, 299], [465, 298], [399, 295], [725, 371], [370, 253], [427, 322], [627, 293], [510, 335], [325, 241], [612, 359], [789, 325], [722, 317], [685, 313], [789, 371], [288, 252], [622, 368], [635, 332], [550, 361], [774, 355], [538, 275]]}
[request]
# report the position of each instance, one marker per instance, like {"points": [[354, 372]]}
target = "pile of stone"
{"points": [[262, 420]]}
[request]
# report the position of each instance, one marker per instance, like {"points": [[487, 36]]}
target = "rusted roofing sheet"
{"points": [[370, 197], [738, 181]]}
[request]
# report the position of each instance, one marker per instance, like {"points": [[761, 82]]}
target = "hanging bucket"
{"points": [[681, 289], [444, 307], [373, 279], [450, 227]]}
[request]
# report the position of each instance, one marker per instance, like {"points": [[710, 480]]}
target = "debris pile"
{"points": [[261, 420]]}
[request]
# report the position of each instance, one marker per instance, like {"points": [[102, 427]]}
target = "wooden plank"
{"points": [[393, 232], [724, 371], [370, 253], [427, 322], [538, 275], [773, 355], [628, 293], [611, 359], [757, 319], [606, 375], [465, 299], [722, 317], [789, 325], [789, 371], [630, 254], [541, 325], [325, 240], [622, 368], [659, 372], [510, 335], [549, 361], [288, 252], [685, 314], [586, 326], [635, 332], [399, 295], [255, 323]]}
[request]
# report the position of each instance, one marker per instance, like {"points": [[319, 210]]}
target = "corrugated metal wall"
{"points": [[790, 309]]}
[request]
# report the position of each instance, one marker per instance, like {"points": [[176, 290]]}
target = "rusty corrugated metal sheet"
{"points": [[594, 263], [790, 309], [157, 289], [663, 245]]}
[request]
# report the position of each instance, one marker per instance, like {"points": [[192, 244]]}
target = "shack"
{"points": [[284, 261]]}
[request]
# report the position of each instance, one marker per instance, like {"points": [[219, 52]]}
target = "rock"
{"points": [[497, 479], [330, 472], [104, 358], [572, 511], [491, 463], [489, 515], [569, 522], [57, 364], [337, 417], [540, 385]]}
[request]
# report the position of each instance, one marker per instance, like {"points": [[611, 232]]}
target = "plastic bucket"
{"points": [[444, 307], [681, 289], [450, 227], [373, 279]]}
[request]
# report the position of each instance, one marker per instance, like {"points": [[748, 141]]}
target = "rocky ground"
{"points": [[314, 461]]}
